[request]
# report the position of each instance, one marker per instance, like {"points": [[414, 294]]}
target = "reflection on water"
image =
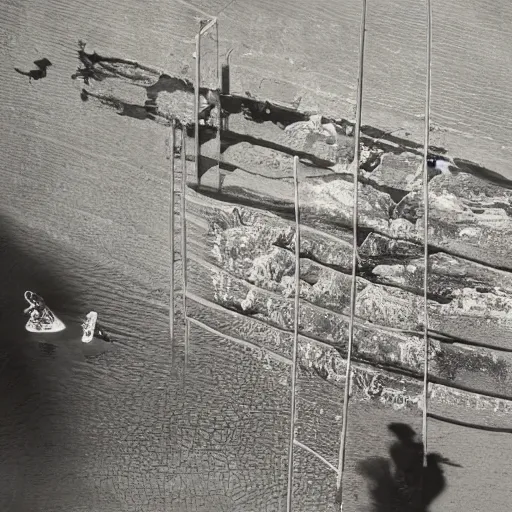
{"points": [[47, 349]]}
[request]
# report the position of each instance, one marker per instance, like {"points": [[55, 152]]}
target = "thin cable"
{"points": [[295, 337], [219, 72], [172, 144], [425, 228], [353, 290], [184, 240]]}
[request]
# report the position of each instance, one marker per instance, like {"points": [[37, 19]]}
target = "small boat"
{"points": [[41, 317], [89, 326]]}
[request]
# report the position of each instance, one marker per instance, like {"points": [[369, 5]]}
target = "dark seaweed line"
{"points": [[365, 274], [272, 111], [437, 335], [229, 138], [375, 138], [236, 138]]}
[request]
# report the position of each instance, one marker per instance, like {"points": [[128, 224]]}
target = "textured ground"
{"points": [[84, 211]]}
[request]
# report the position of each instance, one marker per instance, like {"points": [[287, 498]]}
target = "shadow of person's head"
{"points": [[401, 483]]}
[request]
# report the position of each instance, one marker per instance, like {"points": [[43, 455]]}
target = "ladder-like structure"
{"points": [[204, 27]]}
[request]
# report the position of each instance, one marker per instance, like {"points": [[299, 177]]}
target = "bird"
{"points": [[441, 163], [36, 74]]}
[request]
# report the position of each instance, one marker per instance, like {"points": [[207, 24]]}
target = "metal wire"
{"points": [[425, 227], [295, 337], [353, 290], [316, 454]]}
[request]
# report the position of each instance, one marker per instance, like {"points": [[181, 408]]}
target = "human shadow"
{"points": [[38, 73], [401, 483]]}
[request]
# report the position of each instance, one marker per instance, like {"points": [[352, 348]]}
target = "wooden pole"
{"points": [[219, 119], [295, 337], [226, 87], [425, 227], [204, 26], [353, 291], [196, 103], [184, 240], [172, 144]]}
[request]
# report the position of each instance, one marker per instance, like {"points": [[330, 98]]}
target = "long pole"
{"points": [[219, 107], [353, 290], [295, 338], [172, 144], [196, 103], [226, 86], [425, 227], [184, 240]]}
